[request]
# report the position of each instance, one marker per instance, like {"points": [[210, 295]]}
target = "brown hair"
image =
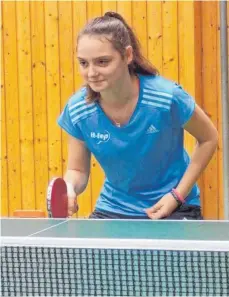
{"points": [[120, 35]]}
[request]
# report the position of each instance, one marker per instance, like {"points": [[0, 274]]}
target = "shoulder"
{"points": [[78, 98], [157, 91], [78, 107], [158, 84]]}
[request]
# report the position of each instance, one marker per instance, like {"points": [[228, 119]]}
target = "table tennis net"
{"points": [[58, 271]]}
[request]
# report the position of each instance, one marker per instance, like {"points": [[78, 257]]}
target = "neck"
{"points": [[122, 92]]}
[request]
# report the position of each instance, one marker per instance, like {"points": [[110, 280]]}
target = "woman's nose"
{"points": [[92, 71]]}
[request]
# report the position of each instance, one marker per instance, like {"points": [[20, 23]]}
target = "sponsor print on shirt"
{"points": [[100, 137]]}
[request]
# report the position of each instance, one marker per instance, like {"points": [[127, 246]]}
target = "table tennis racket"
{"points": [[57, 199]]}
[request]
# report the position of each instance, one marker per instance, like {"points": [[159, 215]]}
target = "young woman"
{"points": [[133, 120]]}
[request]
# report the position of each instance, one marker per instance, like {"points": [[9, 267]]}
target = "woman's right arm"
{"points": [[78, 167]]}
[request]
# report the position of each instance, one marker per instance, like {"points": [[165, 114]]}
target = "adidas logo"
{"points": [[151, 130]]}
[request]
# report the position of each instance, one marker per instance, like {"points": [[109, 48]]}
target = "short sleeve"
{"points": [[65, 122], [183, 106]]}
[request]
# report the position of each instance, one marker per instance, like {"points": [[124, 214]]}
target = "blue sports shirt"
{"points": [[144, 159]]}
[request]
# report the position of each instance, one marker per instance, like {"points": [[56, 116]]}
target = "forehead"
{"points": [[94, 46]]}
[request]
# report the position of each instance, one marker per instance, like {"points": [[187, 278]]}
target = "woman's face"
{"points": [[101, 66]]}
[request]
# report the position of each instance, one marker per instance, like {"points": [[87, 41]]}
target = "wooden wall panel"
{"points": [[154, 29], [94, 9], [12, 106], [25, 104], [125, 9], [53, 87], [170, 40], [79, 16], [219, 124], [109, 6], [139, 23], [40, 72], [66, 64], [186, 46], [4, 171], [39, 102], [198, 46]]}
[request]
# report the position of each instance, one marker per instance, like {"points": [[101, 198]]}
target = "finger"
{"points": [[71, 202], [72, 207], [70, 213], [158, 215], [156, 212], [76, 208], [153, 209], [153, 215]]}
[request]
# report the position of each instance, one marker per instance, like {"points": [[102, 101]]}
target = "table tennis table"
{"points": [[81, 257]]}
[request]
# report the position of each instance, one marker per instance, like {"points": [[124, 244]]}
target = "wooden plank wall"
{"points": [[39, 73]]}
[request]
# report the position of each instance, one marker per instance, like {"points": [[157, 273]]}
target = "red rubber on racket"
{"points": [[57, 199]]}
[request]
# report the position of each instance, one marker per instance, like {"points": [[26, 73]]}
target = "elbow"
{"points": [[211, 140], [215, 139]]}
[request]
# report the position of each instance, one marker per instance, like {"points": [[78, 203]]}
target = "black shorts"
{"points": [[184, 212]]}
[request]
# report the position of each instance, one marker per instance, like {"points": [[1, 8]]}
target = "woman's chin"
{"points": [[98, 87]]}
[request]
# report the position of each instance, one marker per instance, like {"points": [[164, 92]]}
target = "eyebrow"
{"points": [[101, 57]]}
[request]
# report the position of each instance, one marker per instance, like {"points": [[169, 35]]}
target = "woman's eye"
{"points": [[103, 62], [83, 63]]}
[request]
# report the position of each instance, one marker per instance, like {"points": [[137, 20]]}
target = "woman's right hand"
{"points": [[72, 200], [72, 206]]}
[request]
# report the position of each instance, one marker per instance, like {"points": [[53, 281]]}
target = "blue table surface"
{"points": [[128, 229]]}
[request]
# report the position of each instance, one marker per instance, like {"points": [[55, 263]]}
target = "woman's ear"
{"points": [[129, 54]]}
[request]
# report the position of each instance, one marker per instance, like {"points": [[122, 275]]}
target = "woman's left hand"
{"points": [[163, 208]]}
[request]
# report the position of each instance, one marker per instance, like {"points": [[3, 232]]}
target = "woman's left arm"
{"points": [[201, 128]]}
